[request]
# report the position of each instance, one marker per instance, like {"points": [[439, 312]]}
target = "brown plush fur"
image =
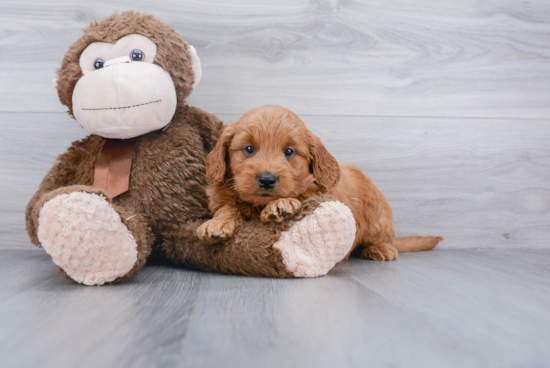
{"points": [[172, 54], [248, 253], [235, 194], [167, 178]]}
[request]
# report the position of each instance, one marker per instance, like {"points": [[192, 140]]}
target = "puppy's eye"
{"points": [[137, 55], [98, 64], [249, 150], [289, 152]]}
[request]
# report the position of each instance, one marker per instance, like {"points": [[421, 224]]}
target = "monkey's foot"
{"points": [[313, 245], [86, 238]]}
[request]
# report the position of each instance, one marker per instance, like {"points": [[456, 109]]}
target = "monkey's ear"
{"points": [[217, 160], [197, 68], [323, 165]]}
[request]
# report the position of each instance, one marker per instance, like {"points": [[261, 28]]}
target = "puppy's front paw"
{"points": [[280, 209], [217, 228]]}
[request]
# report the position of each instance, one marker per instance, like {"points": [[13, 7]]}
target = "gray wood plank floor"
{"points": [[443, 308]]}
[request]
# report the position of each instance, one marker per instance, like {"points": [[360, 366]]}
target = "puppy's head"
{"points": [[268, 154]]}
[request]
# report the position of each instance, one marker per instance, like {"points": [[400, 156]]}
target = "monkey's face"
{"points": [[122, 94]]}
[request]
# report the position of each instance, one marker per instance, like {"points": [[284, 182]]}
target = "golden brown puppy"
{"points": [[267, 162]]}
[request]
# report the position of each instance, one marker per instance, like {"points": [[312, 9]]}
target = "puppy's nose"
{"points": [[267, 180]]}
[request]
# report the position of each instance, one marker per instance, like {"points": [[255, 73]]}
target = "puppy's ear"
{"points": [[323, 165], [217, 159]]}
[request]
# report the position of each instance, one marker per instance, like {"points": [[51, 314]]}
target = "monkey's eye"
{"points": [[249, 150], [98, 64], [289, 152], [137, 55]]}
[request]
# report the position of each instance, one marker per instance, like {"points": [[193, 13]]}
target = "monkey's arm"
{"points": [[61, 179], [209, 126]]}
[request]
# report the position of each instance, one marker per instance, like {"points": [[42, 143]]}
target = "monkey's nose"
{"points": [[120, 60], [267, 180]]}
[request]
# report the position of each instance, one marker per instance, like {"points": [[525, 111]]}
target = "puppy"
{"points": [[267, 162]]}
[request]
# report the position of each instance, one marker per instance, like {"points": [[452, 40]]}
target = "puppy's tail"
{"points": [[416, 243]]}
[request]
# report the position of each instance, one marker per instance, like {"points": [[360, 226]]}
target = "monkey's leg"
{"points": [[308, 245], [89, 239]]}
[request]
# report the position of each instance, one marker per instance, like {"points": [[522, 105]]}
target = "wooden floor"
{"points": [[443, 308]]}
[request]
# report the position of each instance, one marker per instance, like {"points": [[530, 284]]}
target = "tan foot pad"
{"points": [[313, 245], [85, 237]]}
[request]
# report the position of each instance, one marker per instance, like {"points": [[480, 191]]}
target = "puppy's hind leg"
{"points": [[380, 252]]}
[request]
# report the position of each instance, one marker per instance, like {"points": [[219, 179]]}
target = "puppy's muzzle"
{"points": [[267, 180]]}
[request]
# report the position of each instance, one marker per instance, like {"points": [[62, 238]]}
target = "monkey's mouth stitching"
{"points": [[121, 107]]}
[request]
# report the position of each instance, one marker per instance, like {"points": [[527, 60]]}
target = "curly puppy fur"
{"points": [[285, 149]]}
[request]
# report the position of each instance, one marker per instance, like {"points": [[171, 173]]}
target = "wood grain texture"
{"points": [[443, 308], [476, 182], [480, 183], [448, 58]]}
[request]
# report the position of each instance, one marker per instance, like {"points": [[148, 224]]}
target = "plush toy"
{"points": [[136, 185]]}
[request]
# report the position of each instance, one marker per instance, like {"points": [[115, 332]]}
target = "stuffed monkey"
{"points": [[136, 185]]}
